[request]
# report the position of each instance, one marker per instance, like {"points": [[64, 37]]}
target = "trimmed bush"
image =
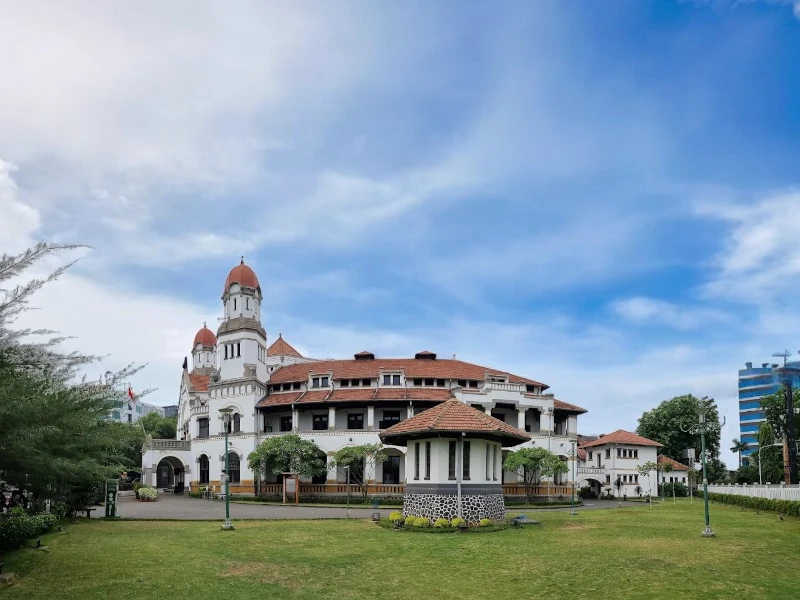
{"points": [[457, 522], [410, 521], [148, 493], [441, 523], [485, 522], [786, 507], [18, 526], [421, 522], [396, 517]]}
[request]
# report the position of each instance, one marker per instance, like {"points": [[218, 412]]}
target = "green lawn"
{"points": [[617, 553]]}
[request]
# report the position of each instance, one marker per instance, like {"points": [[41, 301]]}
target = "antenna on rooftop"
{"points": [[784, 355]]}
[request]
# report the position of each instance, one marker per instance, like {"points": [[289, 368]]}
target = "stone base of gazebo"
{"points": [[474, 507]]}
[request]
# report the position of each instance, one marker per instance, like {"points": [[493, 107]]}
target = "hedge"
{"points": [[18, 526], [787, 507]]}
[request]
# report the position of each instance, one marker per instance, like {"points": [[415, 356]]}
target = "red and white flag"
{"points": [[130, 391]]}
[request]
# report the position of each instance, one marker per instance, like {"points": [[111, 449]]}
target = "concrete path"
{"points": [[185, 508]]}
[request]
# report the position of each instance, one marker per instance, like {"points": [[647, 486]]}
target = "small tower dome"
{"points": [[204, 350], [205, 337], [244, 276]]}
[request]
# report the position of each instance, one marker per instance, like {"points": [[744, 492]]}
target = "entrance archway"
{"points": [[170, 473], [594, 483]]}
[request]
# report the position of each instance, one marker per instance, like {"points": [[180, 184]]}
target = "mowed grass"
{"points": [[616, 553]]}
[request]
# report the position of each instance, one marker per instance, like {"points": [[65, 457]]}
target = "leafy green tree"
{"points": [[666, 423], [361, 461], [162, 428], [645, 470], [666, 468], [287, 454], [769, 455], [747, 474], [56, 441], [775, 412], [534, 463], [737, 448]]}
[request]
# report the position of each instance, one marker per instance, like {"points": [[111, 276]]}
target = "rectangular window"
{"points": [[247, 303], [636, 478], [319, 422], [323, 382], [238, 349], [286, 423], [619, 452], [387, 380], [462, 383], [390, 417], [418, 381], [473, 384], [429, 382], [355, 421], [451, 460], [440, 383], [395, 379], [427, 460], [315, 382], [296, 386], [344, 383], [366, 382], [608, 452], [416, 460], [635, 454], [608, 479], [488, 462], [465, 461], [203, 428], [494, 463], [226, 351], [590, 455]]}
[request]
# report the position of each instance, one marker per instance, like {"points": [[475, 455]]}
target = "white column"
{"points": [[332, 418], [295, 419], [370, 417], [369, 470], [409, 412], [331, 470], [521, 419]]}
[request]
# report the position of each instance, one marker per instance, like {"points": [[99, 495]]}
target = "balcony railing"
{"points": [[503, 387], [200, 410], [170, 445], [590, 471]]}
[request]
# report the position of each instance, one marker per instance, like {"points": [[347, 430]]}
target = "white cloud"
{"points": [[761, 255], [650, 311], [18, 220]]}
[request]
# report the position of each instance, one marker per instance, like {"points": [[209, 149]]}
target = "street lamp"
{"points": [[702, 427], [226, 420], [574, 460]]}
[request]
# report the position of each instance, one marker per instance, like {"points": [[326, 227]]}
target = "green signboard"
{"points": [[112, 485]]}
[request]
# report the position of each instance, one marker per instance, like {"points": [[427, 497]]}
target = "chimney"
{"points": [[748, 365]]}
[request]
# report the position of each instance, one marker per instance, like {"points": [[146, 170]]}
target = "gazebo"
{"points": [[454, 462]]}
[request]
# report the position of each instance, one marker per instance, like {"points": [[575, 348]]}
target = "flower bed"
{"points": [[411, 523], [148, 494]]}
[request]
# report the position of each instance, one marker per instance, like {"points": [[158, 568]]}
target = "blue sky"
{"points": [[601, 196]]}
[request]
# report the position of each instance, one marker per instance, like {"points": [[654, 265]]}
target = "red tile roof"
{"points": [[620, 436], [281, 347], [243, 275], [453, 416], [413, 368], [199, 383], [566, 406], [205, 337], [340, 395], [676, 466]]}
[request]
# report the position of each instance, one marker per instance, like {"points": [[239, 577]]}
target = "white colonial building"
{"points": [[273, 390]]}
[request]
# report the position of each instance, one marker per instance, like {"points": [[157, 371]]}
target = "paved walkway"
{"points": [[185, 508]]}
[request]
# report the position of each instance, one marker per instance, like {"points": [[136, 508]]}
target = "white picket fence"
{"points": [[774, 492]]}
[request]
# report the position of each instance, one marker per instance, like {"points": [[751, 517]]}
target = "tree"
{"points": [[774, 407], [287, 454], [162, 428], [665, 424], [360, 462], [667, 468], [56, 441], [645, 470], [534, 463], [737, 448], [769, 457]]}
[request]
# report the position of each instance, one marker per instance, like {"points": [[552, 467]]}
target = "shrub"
{"points": [[410, 520], [441, 523], [148, 493], [396, 517], [485, 522], [421, 522], [457, 522], [585, 493], [787, 507], [195, 494], [18, 526], [681, 491]]}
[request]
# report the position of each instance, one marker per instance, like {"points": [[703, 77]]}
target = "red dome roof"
{"points": [[243, 275], [205, 337]]}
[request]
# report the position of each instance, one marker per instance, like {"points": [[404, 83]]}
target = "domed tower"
{"points": [[241, 340], [204, 351]]}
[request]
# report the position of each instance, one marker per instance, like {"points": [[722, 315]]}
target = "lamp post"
{"points": [[226, 419], [574, 460], [702, 427], [347, 474]]}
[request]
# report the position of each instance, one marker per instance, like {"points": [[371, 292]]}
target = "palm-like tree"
{"points": [[738, 447]]}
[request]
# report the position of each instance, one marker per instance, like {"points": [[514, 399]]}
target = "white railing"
{"points": [[200, 410], [590, 471], [171, 445], [503, 387], [773, 492]]}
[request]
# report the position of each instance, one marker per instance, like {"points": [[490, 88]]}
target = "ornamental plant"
{"points": [[147, 494], [421, 522], [457, 522], [485, 522], [395, 517], [410, 520], [441, 523]]}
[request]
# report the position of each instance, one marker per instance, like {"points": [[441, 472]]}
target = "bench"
{"points": [[88, 512]]}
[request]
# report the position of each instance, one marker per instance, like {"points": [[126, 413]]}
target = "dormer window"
{"points": [[391, 379], [319, 382]]}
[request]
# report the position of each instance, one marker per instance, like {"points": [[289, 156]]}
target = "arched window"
{"points": [[233, 467], [237, 422], [203, 469]]}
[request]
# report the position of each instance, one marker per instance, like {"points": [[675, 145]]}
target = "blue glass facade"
{"points": [[755, 383]]}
